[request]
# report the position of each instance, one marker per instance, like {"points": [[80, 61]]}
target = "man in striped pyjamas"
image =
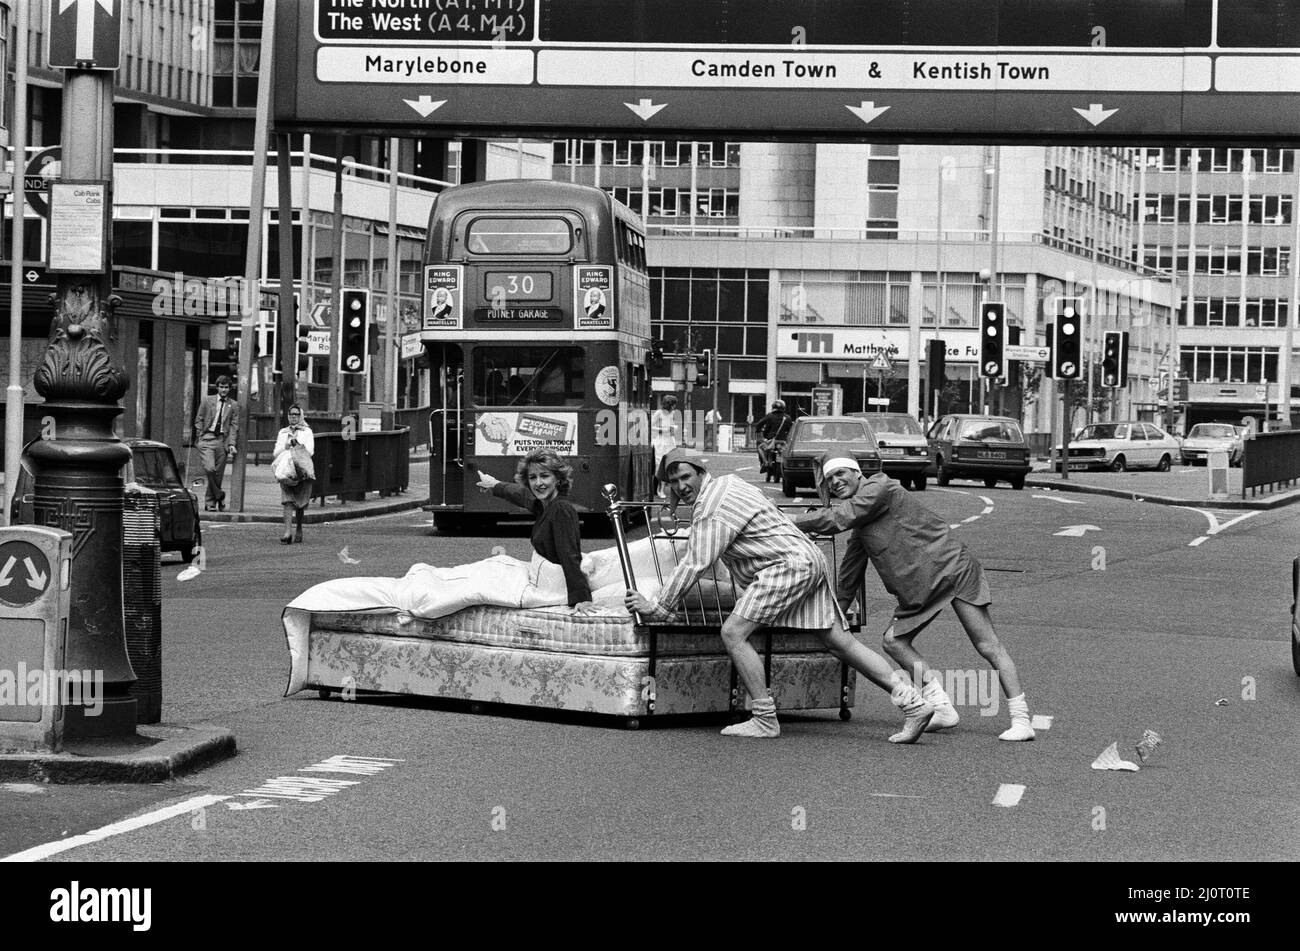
{"points": [[783, 579]]}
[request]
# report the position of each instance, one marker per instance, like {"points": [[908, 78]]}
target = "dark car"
{"points": [[812, 435], [904, 450], [152, 466], [979, 447]]}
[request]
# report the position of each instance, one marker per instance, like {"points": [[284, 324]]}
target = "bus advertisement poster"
{"points": [[517, 434], [442, 297], [592, 286]]}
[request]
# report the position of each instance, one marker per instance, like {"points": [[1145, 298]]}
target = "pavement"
{"points": [[1181, 485], [262, 497]]}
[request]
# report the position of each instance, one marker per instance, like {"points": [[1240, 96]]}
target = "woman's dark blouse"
{"points": [[555, 536]]}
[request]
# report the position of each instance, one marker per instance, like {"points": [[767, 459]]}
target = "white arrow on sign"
{"points": [[425, 105], [35, 579], [645, 108], [1077, 531], [868, 111], [4, 572], [86, 23], [1095, 113], [253, 804]]}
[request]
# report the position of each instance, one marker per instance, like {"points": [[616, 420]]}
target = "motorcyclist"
{"points": [[772, 430]]}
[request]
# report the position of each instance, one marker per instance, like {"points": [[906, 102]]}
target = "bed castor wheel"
{"points": [[476, 708], [845, 713], [631, 723], [325, 692]]}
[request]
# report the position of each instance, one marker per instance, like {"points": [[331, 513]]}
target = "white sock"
{"points": [[762, 725], [1021, 728], [945, 714]]}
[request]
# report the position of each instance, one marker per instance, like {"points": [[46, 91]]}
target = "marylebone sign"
{"points": [[944, 69]]}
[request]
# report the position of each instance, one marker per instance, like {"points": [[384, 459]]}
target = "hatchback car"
{"points": [[979, 447], [813, 435], [153, 466], [1121, 446], [904, 450], [1205, 438]]}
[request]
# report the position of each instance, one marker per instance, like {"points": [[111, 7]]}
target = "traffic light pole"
{"points": [[287, 334], [1065, 429]]}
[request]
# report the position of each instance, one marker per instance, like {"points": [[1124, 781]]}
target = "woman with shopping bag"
{"points": [[294, 470]]}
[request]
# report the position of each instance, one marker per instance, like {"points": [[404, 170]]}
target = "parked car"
{"points": [[967, 446], [1120, 446], [904, 450], [153, 466], [1205, 438], [810, 436]]}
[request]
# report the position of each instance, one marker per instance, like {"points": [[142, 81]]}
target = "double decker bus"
{"points": [[537, 326]]}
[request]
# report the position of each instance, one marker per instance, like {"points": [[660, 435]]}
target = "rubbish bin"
{"points": [[1216, 464], [725, 435]]}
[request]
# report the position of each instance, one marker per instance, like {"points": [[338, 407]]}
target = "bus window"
{"points": [[519, 236], [529, 376]]}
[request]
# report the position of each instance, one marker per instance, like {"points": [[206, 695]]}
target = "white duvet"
{"points": [[429, 592]]}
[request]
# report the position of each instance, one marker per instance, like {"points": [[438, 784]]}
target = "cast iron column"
{"points": [[79, 460]]}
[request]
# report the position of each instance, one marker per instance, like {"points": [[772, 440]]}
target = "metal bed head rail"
{"points": [[670, 522]]}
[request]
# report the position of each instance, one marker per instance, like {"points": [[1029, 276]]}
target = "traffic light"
{"points": [[993, 318], [1180, 389], [656, 356], [704, 370], [355, 334], [1013, 366], [1049, 330], [1067, 350], [934, 365], [1114, 359]]}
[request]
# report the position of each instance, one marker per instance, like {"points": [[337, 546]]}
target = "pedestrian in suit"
{"points": [[216, 433]]}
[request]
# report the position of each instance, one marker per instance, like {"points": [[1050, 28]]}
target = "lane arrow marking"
{"points": [[645, 108], [1077, 531], [35, 579], [253, 804], [868, 111], [425, 105], [4, 572], [1053, 498], [1095, 113], [1216, 527], [85, 23]]}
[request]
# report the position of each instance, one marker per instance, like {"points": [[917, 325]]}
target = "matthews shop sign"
{"points": [[866, 343]]}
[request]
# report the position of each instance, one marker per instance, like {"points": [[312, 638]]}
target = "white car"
{"points": [[1120, 446], [1205, 438]]}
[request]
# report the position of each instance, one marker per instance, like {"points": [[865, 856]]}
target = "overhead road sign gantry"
{"points": [[914, 69]]}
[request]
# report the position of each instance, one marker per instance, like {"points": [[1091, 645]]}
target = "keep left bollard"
{"points": [[1216, 464], [35, 600]]}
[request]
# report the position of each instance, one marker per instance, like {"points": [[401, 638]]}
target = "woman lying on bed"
{"points": [[542, 479]]}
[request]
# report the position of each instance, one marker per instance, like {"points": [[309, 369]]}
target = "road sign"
{"points": [[882, 362], [1110, 69], [318, 343], [24, 573], [84, 34], [42, 168], [1015, 351]]}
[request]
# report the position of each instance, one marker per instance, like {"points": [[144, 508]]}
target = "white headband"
{"points": [[839, 462]]}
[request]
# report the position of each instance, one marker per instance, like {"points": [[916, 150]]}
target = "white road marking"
{"points": [[1041, 722], [987, 501], [1057, 498], [744, 468], [1008, 795], [1076, 531], [973, 518], [891, 795], [953, 491], [1216, 527], [1196, 541], [39, 852]]}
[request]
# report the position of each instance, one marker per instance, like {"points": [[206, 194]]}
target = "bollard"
{"points": [[35, 601], [1216, 464], [142, 599]]}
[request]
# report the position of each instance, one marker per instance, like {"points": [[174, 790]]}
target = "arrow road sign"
{"points": [[645, 108], [1095, 114], [85, 34], [1077, 531], [425, 105], [867, 111], [24, 573]]}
